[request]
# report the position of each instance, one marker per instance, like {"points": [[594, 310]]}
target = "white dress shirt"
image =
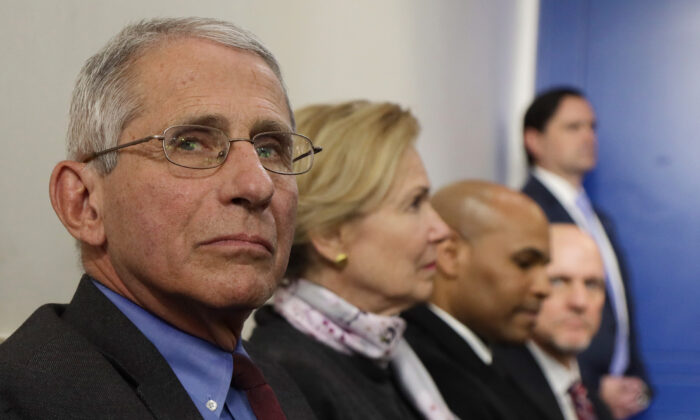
{"points": [[559, 377], [567, 194], [477, 344]]}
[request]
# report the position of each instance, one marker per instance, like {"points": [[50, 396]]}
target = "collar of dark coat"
{"points": [[135, 358]]}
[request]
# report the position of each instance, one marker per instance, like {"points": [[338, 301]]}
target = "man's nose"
{"points": [[590, 133], [246, 181], [578, 296]]}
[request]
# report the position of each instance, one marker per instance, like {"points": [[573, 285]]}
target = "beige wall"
{"points": [[464, 67]]}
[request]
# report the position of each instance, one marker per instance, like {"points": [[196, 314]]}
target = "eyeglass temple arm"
{"points": [[302, 156], [121, 146]]}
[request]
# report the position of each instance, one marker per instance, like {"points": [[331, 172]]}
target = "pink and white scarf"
{"points": [[333, 321]]}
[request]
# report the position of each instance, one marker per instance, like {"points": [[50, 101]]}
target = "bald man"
{"points": [[489, 285], [546, 369]]}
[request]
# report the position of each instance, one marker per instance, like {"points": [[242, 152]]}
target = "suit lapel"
{"points": [[130, 352], [556, 213], [449, 341], [523, 369]]}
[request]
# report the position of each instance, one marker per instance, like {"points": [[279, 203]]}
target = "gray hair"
{"points": [[103, 104]]}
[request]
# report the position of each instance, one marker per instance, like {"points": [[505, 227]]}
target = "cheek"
{"points": [[549, 315], [391, 241], [595, 314], [506, 287], [150, 215], [383, 255], [284, 209]]}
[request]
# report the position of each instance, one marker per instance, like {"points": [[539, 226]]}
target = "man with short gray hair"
{"points": [[180, 191]]}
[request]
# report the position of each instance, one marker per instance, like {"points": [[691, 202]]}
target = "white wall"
{"points": [[464, 68]]}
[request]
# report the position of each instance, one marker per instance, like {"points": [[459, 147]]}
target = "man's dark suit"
{"points": [[595, 361], [86, 360], [519, 363], [471, 388]]}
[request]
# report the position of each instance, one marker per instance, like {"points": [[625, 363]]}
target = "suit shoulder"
{"points": [[275, 340], [37, 336], [47, 369]]}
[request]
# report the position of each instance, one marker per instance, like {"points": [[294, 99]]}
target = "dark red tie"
{"points": [[582, 405], [247, 377]]}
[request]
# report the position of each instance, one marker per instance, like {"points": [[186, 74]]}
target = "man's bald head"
{"points": [[473, 208], [491, 271]]}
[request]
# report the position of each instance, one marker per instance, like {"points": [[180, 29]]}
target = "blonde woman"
{"points": [[365, 250]]}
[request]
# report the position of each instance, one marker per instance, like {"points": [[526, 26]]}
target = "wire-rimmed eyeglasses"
{"points": [[202, 147]]}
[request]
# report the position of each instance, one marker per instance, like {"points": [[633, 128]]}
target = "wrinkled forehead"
{"points": [[168, 66]]}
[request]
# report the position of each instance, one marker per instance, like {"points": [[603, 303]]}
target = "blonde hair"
{"points": [[362, 144]]}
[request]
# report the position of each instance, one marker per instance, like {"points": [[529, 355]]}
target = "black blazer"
{"points": [[471, 388], [337, 386], [520, 364], [86, 360], [595, 361]]}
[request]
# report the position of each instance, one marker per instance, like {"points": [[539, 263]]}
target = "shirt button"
{"points": [[211, 405]]}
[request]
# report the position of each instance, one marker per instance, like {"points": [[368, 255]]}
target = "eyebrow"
{"points": [[208, 120], [269, 125], [599, 280], [223, 123], [421, 191]]}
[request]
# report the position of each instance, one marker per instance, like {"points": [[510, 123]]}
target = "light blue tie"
{"points": [[620, 358]]}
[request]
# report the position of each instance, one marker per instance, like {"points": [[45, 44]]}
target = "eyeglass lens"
{"points": [[207, 147]]}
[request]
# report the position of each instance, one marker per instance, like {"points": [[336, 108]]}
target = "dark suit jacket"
{"points": [[86, 360], [595, 361], [337, 386], [520, 364], [472, 389]]}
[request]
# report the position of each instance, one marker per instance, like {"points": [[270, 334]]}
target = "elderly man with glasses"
{"points": [[181, 234]]}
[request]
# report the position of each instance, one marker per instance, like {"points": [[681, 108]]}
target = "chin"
{"points": [[422, 292], [572, 346], [244, 292]]}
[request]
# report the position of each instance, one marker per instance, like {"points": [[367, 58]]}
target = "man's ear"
{"points": [[533, 142], [448, 257], [75, 196]]}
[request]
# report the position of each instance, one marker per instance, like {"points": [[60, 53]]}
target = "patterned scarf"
{"points": [[333, 321]]}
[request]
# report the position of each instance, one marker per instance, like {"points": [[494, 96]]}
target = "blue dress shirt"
{"points": [[203, 369]]}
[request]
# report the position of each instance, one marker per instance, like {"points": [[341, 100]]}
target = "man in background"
{"points": [[489, 285], [561, 145], [546, 369], [184, 217]]}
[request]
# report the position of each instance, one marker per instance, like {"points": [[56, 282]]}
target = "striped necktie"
{"points": [[582, 405]]}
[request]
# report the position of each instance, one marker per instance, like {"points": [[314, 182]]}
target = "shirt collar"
{"points": [[558, 186], [204, 370], [477, 344], [560, 377]]}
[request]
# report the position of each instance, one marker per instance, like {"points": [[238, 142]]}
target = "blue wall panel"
{"points": [[639, 63]]}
